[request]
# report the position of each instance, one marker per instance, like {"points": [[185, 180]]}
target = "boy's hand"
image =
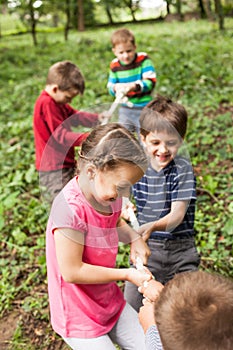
{"points": [[146, 315], [104, 117], [146, 230], [124, 88], [151, 290]]}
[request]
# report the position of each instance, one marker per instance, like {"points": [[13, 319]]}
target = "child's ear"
{"points": [[143, 139], [54, 88], [91, 171]]}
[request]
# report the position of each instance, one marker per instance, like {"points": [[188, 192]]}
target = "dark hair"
{"points": [[122, 35], [163, 114], [195, 311], [110, 145], [67, 76]]}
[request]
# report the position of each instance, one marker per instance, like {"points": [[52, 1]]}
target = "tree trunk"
{"points": [[202, 9], [67, 26], [208, 10], [109, 15], [219, 12], [133, 15], [178, 6], [130, 5], [81, 25], [33, 22]]}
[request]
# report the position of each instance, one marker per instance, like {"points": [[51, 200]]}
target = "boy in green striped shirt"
{"points": [[133, 75]]}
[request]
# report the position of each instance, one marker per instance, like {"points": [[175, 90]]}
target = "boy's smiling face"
{"points": [[161, 148], [125, 52]]}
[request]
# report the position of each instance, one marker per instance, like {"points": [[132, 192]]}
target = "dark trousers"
{"points": [[168, 257], [52, 182]]}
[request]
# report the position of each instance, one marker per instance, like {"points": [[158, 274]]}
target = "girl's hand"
{"points": [[125, 209], [138, 277], [151, 290], [139, 248]]}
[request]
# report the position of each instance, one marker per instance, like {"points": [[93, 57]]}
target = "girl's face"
{"points": [[125, 52], [107, 186], [161, 148]]}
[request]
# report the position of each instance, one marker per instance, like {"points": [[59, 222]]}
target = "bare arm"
{"points": [[168, 222], [146, 315], [69, 253], [138, 247]]}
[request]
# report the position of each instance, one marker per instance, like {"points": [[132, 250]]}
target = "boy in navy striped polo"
{"points": [[165, 196], [131, 74]]}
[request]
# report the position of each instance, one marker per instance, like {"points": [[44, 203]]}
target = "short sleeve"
{"points": [[68, 214]]}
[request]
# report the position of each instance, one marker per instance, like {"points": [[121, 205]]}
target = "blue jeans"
{"points": [[168, 257]]}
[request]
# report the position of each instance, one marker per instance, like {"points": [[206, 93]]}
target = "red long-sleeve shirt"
{"points": [[54, 138]]}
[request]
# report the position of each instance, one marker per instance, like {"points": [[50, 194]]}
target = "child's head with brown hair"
{"points": [[122, 36], [110, 161], [195, 311], [123, 45], [109, 145], [163, 114], [67, 76], [163, 126]]}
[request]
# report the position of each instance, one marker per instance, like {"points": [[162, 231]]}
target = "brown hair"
{"points": [[122, 35], [110, 145], [162, 114], [67, 76], [195, 312]]}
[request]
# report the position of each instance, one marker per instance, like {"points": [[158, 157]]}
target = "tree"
{"points": [[81, 25], [178, 6], [202, 8], [33, 21], [133, 6], [68, 17], [219, 13]]}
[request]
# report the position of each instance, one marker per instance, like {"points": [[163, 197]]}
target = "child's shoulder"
{"points": [[181, 161], [142, 56], [114, 63], [180, 165]]}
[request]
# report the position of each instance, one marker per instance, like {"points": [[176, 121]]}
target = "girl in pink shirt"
{"points": [[87, 307]]}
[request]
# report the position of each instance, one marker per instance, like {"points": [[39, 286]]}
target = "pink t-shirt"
{"points": [[83, 310]]}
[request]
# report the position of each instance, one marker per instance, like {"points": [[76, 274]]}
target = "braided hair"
{"points": [[110, 145]]}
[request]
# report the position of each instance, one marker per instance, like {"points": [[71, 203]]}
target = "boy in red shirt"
{"points": [[53, 121]]}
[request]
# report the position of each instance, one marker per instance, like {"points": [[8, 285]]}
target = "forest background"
{"points": [[190, 44]]}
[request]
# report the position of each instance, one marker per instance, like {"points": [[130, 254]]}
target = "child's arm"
{"points": [[146, 315], [84, 118], [144, 83], [138, 247], [69, 246], [168, 222]]}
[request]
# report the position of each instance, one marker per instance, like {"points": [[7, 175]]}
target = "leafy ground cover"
{"points": [[194, 66]]}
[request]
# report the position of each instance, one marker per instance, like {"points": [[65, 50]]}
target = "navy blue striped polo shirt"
{"points": [[155, 192]]}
